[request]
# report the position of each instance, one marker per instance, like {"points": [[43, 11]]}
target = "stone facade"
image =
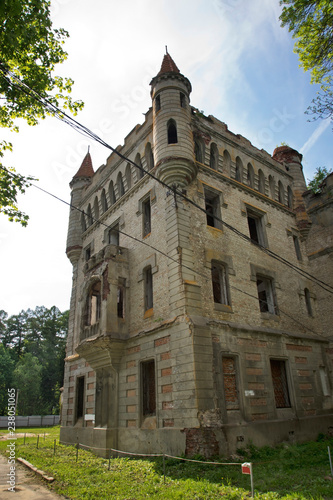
{"points": [[195, 323]]}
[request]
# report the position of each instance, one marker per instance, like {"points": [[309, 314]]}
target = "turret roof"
{"points": [[86, 169], [168, 65]]}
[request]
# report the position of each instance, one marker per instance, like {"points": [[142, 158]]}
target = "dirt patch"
{"points": [[27, 485]]}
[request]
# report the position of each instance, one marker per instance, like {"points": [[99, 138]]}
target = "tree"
{"points": [[311, 22], [27, 380], [30, 48], [6, 373], [320, 174]]}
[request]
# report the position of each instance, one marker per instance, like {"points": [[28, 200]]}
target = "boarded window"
{"points": [[280, 383], [79, 397], [219, 283], [230, 383], [148, 388]]}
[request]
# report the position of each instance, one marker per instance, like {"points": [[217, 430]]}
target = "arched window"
{"points": [[149, 157], [89, 215], [120, 185], [214, 156], [92, 311], [112, 194], [290, 197], [199, 150], [239, 170], [128, 176], [83, 222], [96, 209], [271, 183], [157, 103], [308, 301], [182, 100], [104, 201], [281, 192], [261, 182], [172, 132], [139, 171], [250, 175], [226, 162]]}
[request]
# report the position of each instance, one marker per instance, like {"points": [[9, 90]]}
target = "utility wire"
{"points": [[199, 273], [61, 115]]}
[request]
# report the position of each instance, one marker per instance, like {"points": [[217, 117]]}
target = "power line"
{"points": [[61, 115]]}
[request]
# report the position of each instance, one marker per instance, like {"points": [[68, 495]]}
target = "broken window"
{"points": [[148, 388], [148, 289], [280, 383], [172, 132], [79, 397], [230, 383], [212, 207], [219, 283], [266, 295], [146, 214], [255, 223], [93, 305]]}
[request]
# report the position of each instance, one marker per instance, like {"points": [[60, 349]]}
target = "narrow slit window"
{"points": [[280, 383], [308, 301], [157, 103], [146, 214], [172, 132], [80, 397], [297, 247], [182, 100], [148, 289], [121, 302], [148, 388]]}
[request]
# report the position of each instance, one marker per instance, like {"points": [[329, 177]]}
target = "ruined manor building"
{"points": [[197, 322]]}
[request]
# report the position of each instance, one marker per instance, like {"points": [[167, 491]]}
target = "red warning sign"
{"points": [[246, 468]]}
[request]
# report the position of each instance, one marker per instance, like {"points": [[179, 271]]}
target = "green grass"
{"points": [[287, 472]]}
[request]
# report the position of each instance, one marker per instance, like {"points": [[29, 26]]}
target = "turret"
{"points": [[80, 181], [173, 139], [292, 160]]}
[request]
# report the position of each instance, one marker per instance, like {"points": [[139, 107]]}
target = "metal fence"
{"points": [[31, 421]]}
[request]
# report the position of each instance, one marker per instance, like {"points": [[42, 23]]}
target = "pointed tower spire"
{"points": [[168, 65], [86, 169]]}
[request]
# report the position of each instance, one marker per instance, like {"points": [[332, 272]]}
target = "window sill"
{"points": [[146, 235], [149, 313], [269, 316], [223, 307]]}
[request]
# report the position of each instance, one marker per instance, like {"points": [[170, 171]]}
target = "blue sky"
{"points": [[242, 69]]}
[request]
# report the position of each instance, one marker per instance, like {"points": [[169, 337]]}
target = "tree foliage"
{"points": [[32, 343], [30, 49], [320, 174], [311, 23]]}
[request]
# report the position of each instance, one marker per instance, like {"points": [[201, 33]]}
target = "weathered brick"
{"points": [[166, 371], [166, 388], [162, 341]]}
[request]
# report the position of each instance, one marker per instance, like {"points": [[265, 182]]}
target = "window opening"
{"points": [[88, 253], [120, 302], [261, 185], [148, 289], [255, 228], [290, 197], [157, 103], [280, 383], [140, 172], [239, 170], [250, 175], [172, 132], [121, 189], [219, 282], [149, 157], [146, 212], [212, 207], [112, 193], [297, 247], [324, 380], [230, 383], [308, 301], [80, 397], [93, 306], [214, 157], [114, 235], [148, 388], [281, 192], [198, 150], [265, 295], [104, 201], [182, 100]]}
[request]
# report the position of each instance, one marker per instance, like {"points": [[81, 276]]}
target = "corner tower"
{"points": [[173, 139]]}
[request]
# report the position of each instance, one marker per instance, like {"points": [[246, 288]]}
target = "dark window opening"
{"points": [[114, 235], [172, 132], [120, 302], [120, 183], [148, 289], [88, 253], [308, 301], [219, 282], [255, 229], [297, 247], [212, 207], [266, 295], [280, 383], [148, 388], [157, 103], [146, 212], [182, 100], [79, 397], [230, 383]]}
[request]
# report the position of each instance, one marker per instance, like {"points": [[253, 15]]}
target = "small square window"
{"points": [[266, 295], [213, 209]]}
